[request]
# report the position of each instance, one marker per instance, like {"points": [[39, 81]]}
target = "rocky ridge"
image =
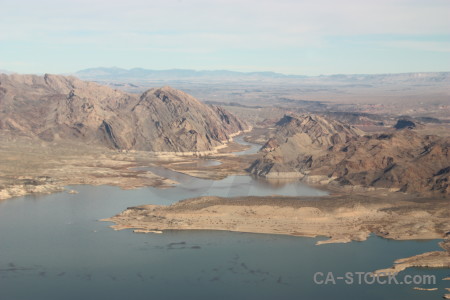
{"points": [[55, 108], [328, 151]]}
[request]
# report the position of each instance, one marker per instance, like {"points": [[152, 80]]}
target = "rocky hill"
{"points": [[298, 141], [56, 108], [329, 151]]}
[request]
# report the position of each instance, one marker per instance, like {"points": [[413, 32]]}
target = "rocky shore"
{"points": [[308, 146], [342, 218], [28, 167]]}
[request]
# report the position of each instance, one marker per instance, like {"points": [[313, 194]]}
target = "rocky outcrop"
{"points": [[297, 142], [327, 151], [57, 109], [434, 259], [176, 121], [401, 124]]}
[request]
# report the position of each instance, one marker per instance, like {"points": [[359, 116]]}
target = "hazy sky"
{"points": [[294, 37]]}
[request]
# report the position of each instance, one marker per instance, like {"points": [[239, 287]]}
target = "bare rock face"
{"points": [[403, 160], [298, 141], [314, 147], [57, 108], [176, 121]]}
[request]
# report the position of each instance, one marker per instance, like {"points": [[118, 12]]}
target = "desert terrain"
{"points": [[385, 164]]}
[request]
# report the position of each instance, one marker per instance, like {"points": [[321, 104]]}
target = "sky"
{"points": [[305, 37]]}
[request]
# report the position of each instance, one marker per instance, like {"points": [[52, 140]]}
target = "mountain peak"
{"points": [[53, 107], [167, 94]]}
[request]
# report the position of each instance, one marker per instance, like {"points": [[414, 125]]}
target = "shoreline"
{"points": [[341, 218], [347, 214], [215, 150], [337, 206], [49, 168]]}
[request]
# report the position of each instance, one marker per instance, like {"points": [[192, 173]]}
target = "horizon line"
{"points": [[9, 72]]}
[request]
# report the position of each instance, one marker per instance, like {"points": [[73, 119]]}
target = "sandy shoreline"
{"points": [[341, 218], [28, 168], [399, 218]]}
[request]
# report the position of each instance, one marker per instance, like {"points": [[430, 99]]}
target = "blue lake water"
{"points": [[54, 247], [254, 148]]}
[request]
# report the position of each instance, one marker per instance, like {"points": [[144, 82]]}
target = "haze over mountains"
{"points": [[57, 108], [137, 74], [413, 94], [115, 73]]}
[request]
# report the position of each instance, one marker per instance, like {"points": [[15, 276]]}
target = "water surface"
{"points": [[53, 247], [254, 148]]}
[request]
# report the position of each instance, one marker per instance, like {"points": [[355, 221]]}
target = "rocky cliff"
{"points": [[298, 142], [324, 150], [56, 108]]}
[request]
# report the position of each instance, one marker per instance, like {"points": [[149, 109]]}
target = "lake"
{"points": [[54, 247]]}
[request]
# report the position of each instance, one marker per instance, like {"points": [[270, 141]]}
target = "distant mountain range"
{"points": [[139, 73], [108, 74]]}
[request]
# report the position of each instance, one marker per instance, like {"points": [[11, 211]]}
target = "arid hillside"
{"points": [[324, 150], [56, 108]]}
